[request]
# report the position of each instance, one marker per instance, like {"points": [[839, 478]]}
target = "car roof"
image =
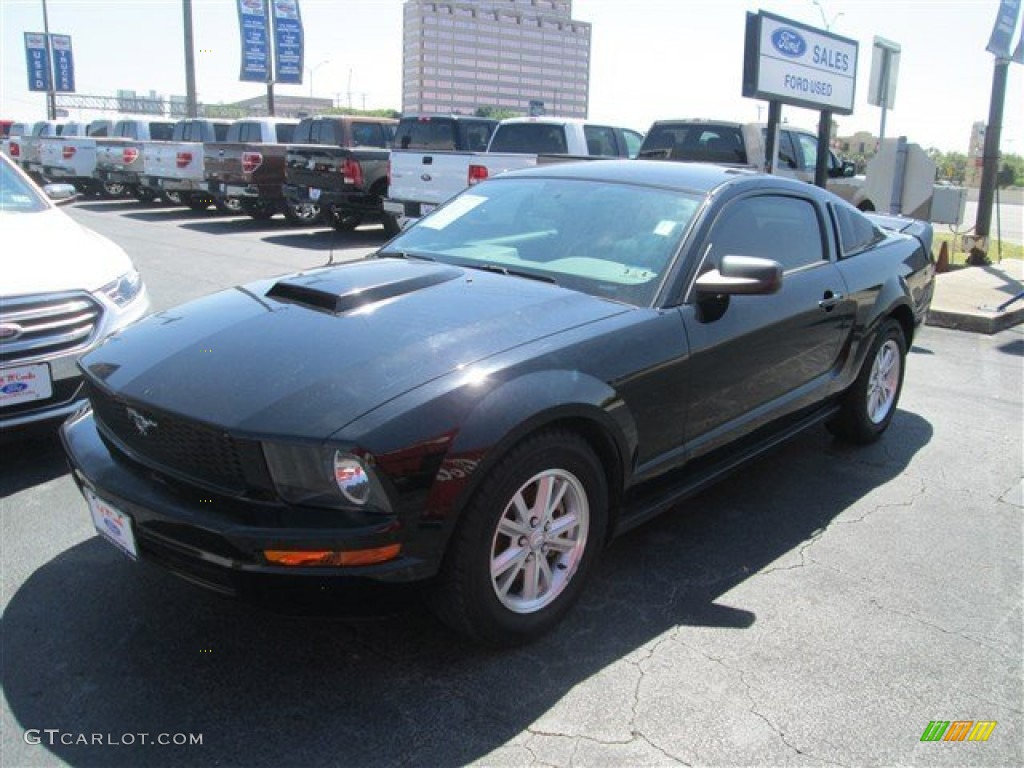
{"points": [[700, 178]]}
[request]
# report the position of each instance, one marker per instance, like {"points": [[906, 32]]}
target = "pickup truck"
{"points": [[24, 149], [423, 178], [247, 170], [174, 169], [71, 157], [119, 164], [743, 144], [340, 164]]}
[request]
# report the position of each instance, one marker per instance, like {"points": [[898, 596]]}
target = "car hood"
{"points": [[305, 355], [48, 251]]}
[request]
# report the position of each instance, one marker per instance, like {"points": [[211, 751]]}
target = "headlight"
{"points": [[322, 476], [125, 289]]}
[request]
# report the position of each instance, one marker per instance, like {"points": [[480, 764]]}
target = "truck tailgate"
{"points": [[430, 178]]}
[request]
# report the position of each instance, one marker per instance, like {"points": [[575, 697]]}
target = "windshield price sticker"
{"points": [[457, 208]]}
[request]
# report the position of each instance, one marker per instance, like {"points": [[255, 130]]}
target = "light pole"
{"points": [[311, 71]]}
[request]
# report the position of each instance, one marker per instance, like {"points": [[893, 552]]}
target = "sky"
{"points": [[650, 59]]}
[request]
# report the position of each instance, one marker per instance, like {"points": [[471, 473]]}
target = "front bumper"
{"points": [[218, 542]]}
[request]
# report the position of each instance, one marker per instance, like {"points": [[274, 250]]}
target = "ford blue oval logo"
{"points": [[13, 389], [789, 42]]}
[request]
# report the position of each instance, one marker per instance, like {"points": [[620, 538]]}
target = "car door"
{"points": [[754, 358]]}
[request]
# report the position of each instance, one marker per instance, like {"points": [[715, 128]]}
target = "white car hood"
{"points": [[48, 251]]}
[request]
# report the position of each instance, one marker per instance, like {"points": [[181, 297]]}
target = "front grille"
{"points": [[182, 448], [44, 326]]}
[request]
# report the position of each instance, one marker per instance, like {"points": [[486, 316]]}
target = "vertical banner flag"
{"points": [[287, 40], [1002, 33], [63, 63], [38, 59], [252, 22]]}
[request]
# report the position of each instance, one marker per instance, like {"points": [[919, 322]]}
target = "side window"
{"points": [[367, 135], [477, 136], [600, 141], [787, 153], [856, 232], [285, 133], [159, 131], [633, 140], [784, 229], [303, 133], [807, 150], [220, 132]]}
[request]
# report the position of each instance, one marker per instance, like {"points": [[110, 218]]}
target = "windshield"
{"points": [[16, 194], [610, 240]]}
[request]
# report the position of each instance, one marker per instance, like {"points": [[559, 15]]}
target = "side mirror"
{"points": [[849, 169], [742, 276]]}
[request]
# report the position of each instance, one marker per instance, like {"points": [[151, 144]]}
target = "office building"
{"points": [[513, 55]]}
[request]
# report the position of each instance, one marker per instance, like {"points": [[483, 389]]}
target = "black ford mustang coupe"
{"points": [[549, 359]]}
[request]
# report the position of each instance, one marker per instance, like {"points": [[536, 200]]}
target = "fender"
{"points": [[522, 406]]}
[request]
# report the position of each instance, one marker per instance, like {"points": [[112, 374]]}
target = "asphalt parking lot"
{"points": [[821, 607]]}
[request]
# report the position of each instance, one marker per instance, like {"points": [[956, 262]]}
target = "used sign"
{"points": [[796, 64]]}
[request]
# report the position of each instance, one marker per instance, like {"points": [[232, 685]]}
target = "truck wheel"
{"points": [[526, 543], [302, 213], [343, 220], [174, 198], [391, 225], [113, 189], [199, 202], [869, 405], [230, 205], [261, 210], [144, 194]]}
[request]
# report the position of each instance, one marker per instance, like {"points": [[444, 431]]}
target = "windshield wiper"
{"points": [[403, 255], [497, 268]]}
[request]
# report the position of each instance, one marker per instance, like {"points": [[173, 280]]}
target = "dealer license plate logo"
{"points": [[24, 384], [113, 524]]}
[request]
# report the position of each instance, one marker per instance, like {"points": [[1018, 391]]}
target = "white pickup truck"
{"points": [[119, 156], [174, 169], [425, 172], [71, 157], [24, 149], [743, 144]]}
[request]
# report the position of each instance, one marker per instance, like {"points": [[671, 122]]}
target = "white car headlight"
{"points": [[125, 289]]}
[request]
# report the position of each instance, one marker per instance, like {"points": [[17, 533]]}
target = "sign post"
{"points": [[885, 68]]}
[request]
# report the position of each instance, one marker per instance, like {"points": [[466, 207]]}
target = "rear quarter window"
{"points": [[285, 133], [856, 232]]}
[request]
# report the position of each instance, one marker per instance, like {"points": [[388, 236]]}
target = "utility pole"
{"points": [[51, 93], [998, 46], [191, 105]]}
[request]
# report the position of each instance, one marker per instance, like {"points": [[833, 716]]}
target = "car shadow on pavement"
{"points": [[328, 239], [30, 459], [95, 644], [178, 213]]}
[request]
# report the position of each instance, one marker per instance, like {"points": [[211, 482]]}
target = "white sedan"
{"points": [[64, 288]]}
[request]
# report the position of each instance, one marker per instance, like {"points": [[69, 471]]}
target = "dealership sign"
{"points": [[795, 64], [37, 55], [254, 28], [287, 41], [63, 64]]}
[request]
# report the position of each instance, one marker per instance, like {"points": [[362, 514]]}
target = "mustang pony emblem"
{"points": [[142, 424]]}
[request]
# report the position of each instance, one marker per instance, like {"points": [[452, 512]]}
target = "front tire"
{"points": [[342, 219], [260, 210], [870, 404], [391, 225], [527, 542]]}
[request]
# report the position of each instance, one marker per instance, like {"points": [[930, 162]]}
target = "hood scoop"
{"points": [[350, 287]]}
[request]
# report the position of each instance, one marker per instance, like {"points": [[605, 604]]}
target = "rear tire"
{"points": [[144, 194], [302, 213], [199, 202], [526, 543], [391, 225], [870, 404], [174, 198], [229, 205], [343, 220]]}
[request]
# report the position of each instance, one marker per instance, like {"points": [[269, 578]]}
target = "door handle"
{"points": [[831, 301]]}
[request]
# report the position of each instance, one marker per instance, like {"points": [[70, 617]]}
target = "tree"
{"points": [[494, 113]]}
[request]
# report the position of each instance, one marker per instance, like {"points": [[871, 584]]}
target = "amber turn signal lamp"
{"points": [[329, 557]]}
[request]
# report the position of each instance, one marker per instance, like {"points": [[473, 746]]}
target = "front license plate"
{"points": [[314, 194], [113, 524], [24, 384]]}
